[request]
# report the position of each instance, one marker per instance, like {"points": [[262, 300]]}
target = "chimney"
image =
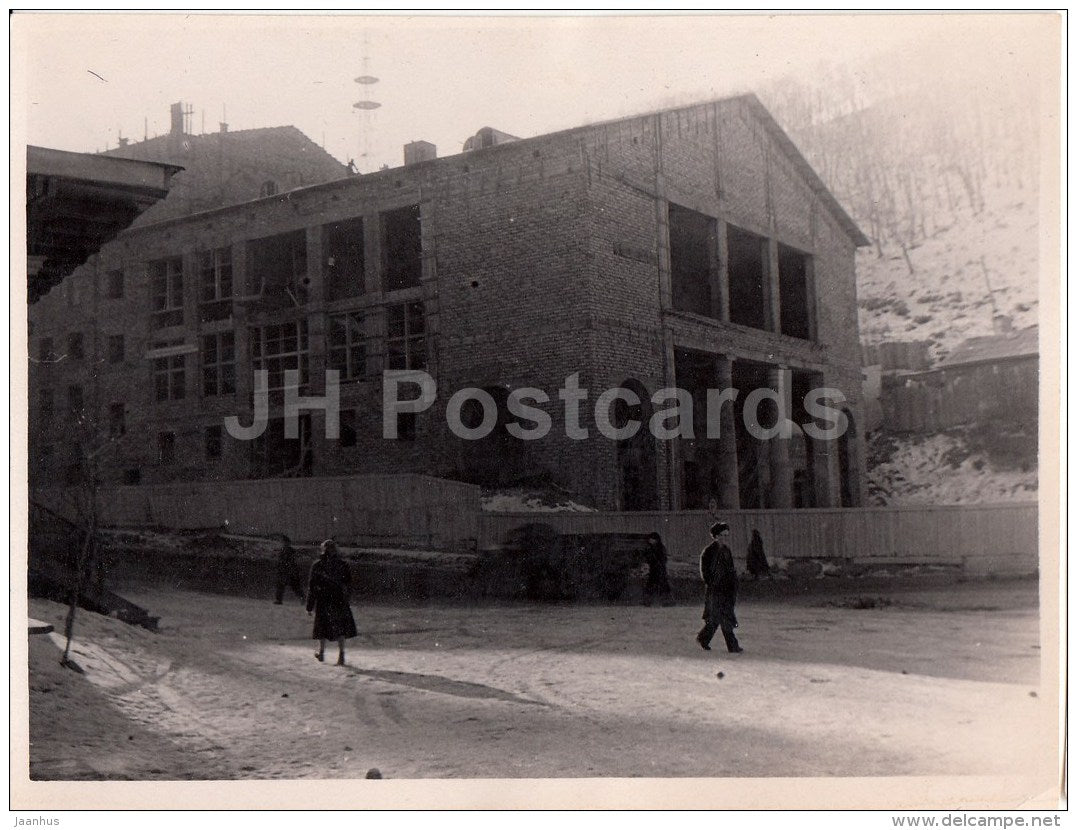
{"points": [[123, 141], [419, 151], [177, 119], [1003, 324], [224, 127]]}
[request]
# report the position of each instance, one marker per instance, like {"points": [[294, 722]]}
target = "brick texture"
{"points": [[541, 258]]}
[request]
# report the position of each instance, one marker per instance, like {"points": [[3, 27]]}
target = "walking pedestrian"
{"points": [[657, 586], [757, 563], [720, 578], [328, 593], [288, 575]]}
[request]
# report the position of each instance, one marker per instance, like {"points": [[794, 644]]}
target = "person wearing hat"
{"points": [[328, 592], [720, 578]]}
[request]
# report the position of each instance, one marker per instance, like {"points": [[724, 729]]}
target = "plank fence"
{"points": [[982, 539], [401, 509], [423, 512]]}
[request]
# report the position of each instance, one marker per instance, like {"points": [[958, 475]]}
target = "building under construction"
{"points": [[691, 248]]}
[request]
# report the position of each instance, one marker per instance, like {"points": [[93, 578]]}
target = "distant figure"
{"points": [[288, 575], [758, 566], [720, 577], [328, 592], [657, 578]]}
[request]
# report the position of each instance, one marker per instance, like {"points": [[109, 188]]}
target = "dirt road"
{"points": [[934, 683]]}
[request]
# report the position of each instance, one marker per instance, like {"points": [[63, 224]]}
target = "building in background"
{"points": [[228, 167], [989, 378], [76, 202], [690, 248]]}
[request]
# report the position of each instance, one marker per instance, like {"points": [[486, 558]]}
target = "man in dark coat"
{"points": [[328, 592], [720, 577], [288, 575]]}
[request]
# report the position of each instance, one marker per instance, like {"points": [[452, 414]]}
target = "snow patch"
{"points": [[530, 503], [920, 470]]}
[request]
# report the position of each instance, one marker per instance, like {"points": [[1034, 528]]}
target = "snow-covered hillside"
{"points": [[948, 295], [947, 468]]}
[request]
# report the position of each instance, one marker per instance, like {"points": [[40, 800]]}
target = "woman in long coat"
{"points": [[328, 592]]}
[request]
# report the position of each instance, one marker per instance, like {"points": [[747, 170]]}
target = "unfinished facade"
{"points": [[691, 248]]}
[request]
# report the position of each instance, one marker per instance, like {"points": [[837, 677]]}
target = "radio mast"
{"points": [[365, 107]]}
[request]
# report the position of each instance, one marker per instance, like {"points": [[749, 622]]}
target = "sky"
{"points": [[79, 81]]}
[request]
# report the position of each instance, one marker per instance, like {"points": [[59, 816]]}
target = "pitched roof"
{"points": [[1023, 343], [228, 168], [781, 138], [814, 182], [261, 142]]}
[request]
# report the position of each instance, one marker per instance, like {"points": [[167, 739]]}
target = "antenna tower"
{"points": [[365, 107]]}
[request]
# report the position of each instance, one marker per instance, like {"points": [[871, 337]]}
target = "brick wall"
{"points": [[720, 161], [541, 258]]}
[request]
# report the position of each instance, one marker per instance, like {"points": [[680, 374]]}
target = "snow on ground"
{"points": [[81, 727], [931, 683], [920, 471], [947, 298]]}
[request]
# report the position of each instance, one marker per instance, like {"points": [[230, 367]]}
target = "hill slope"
{"points": [[980, 264]]}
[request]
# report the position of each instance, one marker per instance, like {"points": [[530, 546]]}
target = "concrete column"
{"points": [[372, 264], [376, 332], [813, 305], [665, 279], [856, 450], [192, 286], [428, 240], [720, 287], [315, 275], [729, 480], [713, 277], [820, 457], [763, 451], [669, 460], [667, 455], [820, 472], [244, 365], [429, 283], [779, 379], [317, 324], [243, 283], [773, 287], [316, 318]]}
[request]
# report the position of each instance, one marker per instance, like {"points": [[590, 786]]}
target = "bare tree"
{"points": [[92, 442]]}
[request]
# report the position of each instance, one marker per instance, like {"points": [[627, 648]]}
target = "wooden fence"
{"points": [[981, 539], [412, 510], [421, 511], [1003, 390]]}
